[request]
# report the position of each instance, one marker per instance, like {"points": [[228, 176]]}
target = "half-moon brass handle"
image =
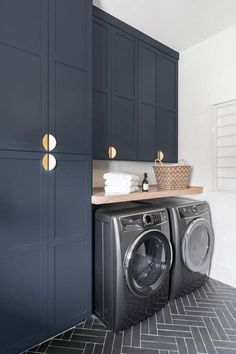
{"points": [[111, 152], [160, 155], [49, 162], [49, 142]]}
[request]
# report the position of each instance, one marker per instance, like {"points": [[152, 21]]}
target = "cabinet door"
{"points": [[23, 261], [169, 108], [69, 241], [101, 88], [70, 25], [124, 95], [148, 108], [23, 73]]}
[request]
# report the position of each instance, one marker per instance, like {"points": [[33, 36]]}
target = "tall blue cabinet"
{"points": [[45, 219]]}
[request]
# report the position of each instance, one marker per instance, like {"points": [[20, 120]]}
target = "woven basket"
{"points": [[172, 176]]}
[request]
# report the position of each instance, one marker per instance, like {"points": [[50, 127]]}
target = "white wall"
{"points": [[207, 76], [137, 168]]}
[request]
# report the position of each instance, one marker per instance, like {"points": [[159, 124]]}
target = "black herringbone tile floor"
{"points": [[201, 322]]}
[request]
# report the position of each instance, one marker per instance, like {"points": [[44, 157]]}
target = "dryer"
{"points": [[132, 260], [192, 238]]}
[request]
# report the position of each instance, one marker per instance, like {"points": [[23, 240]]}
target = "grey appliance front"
{"points": [[133, 256]]}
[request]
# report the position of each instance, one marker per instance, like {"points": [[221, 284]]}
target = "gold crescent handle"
{"points": [[49, 142], [49, 162], [160, 155], [111, 152]]}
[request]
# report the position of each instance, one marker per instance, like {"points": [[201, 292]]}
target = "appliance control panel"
{"points": [[132, 222], [190, 211], [152, 219], [139, 221]]}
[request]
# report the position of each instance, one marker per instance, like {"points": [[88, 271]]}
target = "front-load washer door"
{"points": [[197, 245], [147, 262]]}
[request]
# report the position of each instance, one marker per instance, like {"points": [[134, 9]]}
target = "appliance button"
{"points": [[147, 219]]}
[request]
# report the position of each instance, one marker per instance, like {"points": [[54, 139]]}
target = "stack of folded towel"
{"points": [[120, 183]]}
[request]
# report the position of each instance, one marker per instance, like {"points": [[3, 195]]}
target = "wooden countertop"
{"points": [[99, 196]]}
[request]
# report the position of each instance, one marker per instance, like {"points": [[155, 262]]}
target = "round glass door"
{"points": [[147, 262], [197, 245]]}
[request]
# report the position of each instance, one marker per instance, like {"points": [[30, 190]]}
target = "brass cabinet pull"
{"points": [[49, 162], [160, 155], [111, 152], [49, 142]]}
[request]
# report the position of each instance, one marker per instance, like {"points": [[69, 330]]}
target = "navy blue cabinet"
{"points": [[157, 105], [124, 95], [101, 88], [135, 91], [148, 103], [23, 73], [168, 108], [70, 103], [69, 241], [31, 55], [23, 251], [45, 86], [114, 92]]}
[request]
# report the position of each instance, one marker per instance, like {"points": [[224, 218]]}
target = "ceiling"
{"points": [[176, 23]]}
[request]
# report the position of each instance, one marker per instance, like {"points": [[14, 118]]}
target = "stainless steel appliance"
{"points": [[133, 256]]}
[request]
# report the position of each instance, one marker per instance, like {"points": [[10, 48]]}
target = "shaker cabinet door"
{"points": [[23, 251], [124, 95], [158, 94], [70, 103], [101, 88], [69, 241], [23, 74], [148, 107], [169, 108]]}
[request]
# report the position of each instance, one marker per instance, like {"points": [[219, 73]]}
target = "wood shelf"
{"points": [[100, 197]]}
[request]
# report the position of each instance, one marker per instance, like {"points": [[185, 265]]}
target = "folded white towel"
{"points": [[120, 184], [114, 176], [121, 190]]}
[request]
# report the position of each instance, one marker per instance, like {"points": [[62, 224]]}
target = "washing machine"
{"points": [[132, 260], [192, 238]]}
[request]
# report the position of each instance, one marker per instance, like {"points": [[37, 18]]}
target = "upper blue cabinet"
{"points": [[114, 92], [45, 84], [157, 105], [124, 95], [101, 88], [168, 108], [135, 93], [148, 102]]}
